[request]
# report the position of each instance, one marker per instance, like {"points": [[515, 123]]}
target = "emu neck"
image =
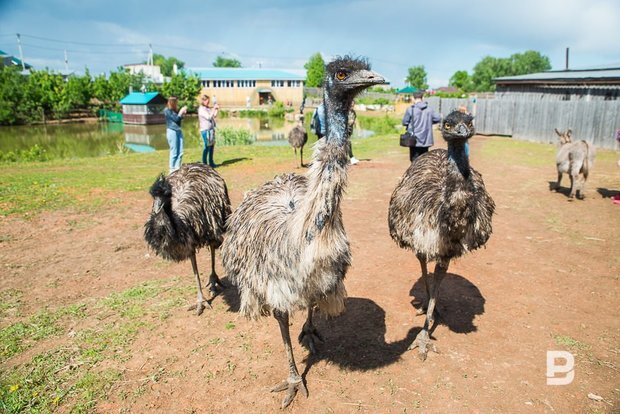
{"points": [[336, 117], [458, 155]]}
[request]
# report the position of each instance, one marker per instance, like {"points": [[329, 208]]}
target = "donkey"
{"points": [[573, 158]]}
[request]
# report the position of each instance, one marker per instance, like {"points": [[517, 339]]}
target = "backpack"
{"points": [[315, 123]]}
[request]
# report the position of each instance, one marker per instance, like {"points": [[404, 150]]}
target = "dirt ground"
{"points": [[547, 280]]}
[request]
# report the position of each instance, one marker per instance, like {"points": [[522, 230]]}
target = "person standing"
{"points": [[206, 123], [350, 126], [419, 120], [174, 134]]}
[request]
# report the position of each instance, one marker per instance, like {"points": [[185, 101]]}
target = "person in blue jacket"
{"points": [[419, 119], [174, 134]]}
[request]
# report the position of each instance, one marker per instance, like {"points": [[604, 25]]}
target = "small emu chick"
{"points": [[574, 158], [190, 208], [298, 138], [441, 210]]}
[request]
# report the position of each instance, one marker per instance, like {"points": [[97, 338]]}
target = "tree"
{"points": [[12, 85], [461, 80], [222, 62], [417, 77], [166, 65], [529, 61], [184, 87], [315, 71], [490, 68]]}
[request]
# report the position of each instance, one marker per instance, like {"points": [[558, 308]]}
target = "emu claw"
{"points": [[200, 307], [291, 386], [308, 338], [423, 342], [214, 283]]}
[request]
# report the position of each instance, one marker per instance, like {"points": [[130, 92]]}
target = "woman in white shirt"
{"points": [[206, 122]]}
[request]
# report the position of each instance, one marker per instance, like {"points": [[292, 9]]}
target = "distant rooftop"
{"points": [[244, 74], [139, 98], [598, 74], [12, 59]]}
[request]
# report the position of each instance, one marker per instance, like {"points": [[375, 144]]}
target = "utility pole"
{"points": [[21, 54], [567, 52], [150, 60], [66, 62]]}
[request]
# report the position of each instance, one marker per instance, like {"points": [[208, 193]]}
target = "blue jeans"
{"points": [[208, 149], [175, 141]]}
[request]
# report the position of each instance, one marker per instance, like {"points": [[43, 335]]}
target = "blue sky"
{"points": [[443, 35]]}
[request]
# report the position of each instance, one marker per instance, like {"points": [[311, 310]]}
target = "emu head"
{"points": [[565, 137], [345, 77], [162, 195], [457, 126]]}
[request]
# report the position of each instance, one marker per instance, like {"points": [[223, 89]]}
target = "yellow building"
{"points": [[242, 87]]}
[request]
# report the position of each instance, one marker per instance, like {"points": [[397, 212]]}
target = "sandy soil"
{"points": [[550, 270]]}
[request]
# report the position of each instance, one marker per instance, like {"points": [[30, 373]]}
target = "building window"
{"points": [[277, 83]]}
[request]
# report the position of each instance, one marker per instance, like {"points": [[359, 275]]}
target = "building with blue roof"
{"points": [[143, 108], [250, 86]]}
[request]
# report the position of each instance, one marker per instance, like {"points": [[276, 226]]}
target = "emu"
{"points": [[573, 158], [441, 210], [190, 209], [298, 137], [286, 248]]}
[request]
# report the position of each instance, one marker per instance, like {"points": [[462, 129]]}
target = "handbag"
{"points": [[407, 139]]}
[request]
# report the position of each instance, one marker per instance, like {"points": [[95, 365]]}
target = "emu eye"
{"points": [[447, 126], [340, 75]]}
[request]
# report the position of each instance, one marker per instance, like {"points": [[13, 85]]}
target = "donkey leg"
{"points": [[557, 185]]}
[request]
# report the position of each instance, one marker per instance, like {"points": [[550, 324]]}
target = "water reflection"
{"points": [[99, 139]]}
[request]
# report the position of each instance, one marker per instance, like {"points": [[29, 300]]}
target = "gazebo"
{"points": [[404, 94]]}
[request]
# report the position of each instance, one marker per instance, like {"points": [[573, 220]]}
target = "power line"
{"points": [[90, 52], [48, 39]]}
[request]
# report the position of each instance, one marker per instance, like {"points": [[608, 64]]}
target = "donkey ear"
{"points": [[557, 132], [569, 132]]}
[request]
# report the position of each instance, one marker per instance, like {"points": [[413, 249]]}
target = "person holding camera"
{"points": [[174, 134], [419, 120]]}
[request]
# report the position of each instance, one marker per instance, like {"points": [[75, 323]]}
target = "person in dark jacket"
{"points": [[174, 134], [419, 120]]}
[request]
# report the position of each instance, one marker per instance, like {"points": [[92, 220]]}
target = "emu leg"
{"points": [[301, 156], [422, 309], [309, 335], [214, 281], [423, 339], [200, 299], [294, 382]]}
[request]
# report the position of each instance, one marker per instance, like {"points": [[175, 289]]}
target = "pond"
{"points": [[81, 140]]}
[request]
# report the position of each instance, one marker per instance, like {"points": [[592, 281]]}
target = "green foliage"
{"points": [[184, 87], [367, 100], [222, 62], [416, 77], [461, 80], [277, 110], [379, 125], [34, 153], [166, 65], [517, 64], [12, 86], [234, 136], [315, 71]]}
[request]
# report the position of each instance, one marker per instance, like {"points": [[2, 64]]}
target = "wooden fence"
{"points": [[597, 122]]}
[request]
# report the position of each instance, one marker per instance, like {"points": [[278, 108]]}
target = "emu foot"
{"points": [[423, 308], [291, 386], [308, 337], [214, 283], [424, 344], [199, 307]]}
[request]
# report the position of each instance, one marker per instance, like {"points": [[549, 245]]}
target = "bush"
{"points": [[233, 136], [34, 153], [277, 110], [379, 125]]}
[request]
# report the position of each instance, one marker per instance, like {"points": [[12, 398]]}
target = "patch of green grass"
{"points": [[569, 342], [19, 336], [130, 303], [10, 301]]}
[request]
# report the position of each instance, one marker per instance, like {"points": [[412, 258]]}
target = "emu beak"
{"points": [[157, 205], [366, 78]]}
